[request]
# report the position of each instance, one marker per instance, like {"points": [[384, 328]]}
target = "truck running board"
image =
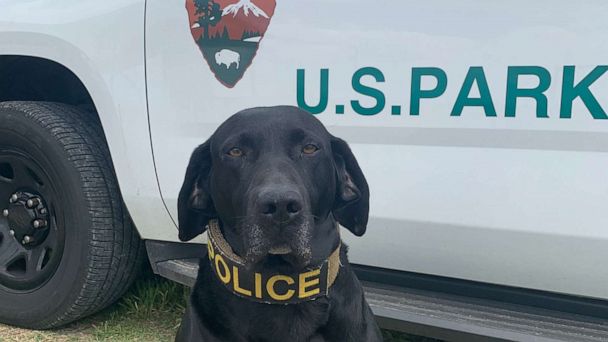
{"points": [[445, 316]]}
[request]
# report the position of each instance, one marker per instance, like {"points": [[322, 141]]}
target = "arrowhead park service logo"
{"points": [[228, 33]]}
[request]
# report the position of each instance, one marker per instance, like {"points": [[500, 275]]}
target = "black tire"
{"points": [[66, 159]]}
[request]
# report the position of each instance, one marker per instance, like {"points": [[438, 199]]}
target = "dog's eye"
{"points": [[235, 152], [309, 149]]}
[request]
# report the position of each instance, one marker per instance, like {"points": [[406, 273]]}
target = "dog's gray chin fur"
{"points": [[259, 245], [280, 250]]}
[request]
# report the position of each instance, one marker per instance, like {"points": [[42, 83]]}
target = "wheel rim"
{"points": [[31, 238]]}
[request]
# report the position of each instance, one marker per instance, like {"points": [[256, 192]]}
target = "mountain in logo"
{"points": [[228, 33], [246, 6]]}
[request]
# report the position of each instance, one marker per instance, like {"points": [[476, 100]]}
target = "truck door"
{"points": [[480, 126]]}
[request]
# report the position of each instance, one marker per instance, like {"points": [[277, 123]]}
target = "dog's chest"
{"points": [[282, 323]]}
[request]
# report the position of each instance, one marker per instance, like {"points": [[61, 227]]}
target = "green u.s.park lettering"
{"points": [[369, 81]]}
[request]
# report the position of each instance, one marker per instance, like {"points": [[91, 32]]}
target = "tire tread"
{"points": [[116, 252]]}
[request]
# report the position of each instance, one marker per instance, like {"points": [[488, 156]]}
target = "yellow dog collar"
{"points": [[270, 288]]}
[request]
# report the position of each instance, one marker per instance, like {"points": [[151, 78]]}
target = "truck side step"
{"points": [[428, 313], [459, 318], [449, 317]]}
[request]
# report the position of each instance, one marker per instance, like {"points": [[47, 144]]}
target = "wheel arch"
{"points": [[111, 89], [31, 77], [43, 77]]}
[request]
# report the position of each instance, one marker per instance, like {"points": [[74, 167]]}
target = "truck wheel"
{"points": [[67, 245]]}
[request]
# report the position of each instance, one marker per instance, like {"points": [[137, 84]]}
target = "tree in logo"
{"points": [[209, 13]]}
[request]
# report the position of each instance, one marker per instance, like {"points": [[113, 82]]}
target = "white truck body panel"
{"points": [[102, 42], [508, 200], [515, 201]]}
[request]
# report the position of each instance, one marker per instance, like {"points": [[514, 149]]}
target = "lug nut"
{"points": [[32, 202], [5, 212], [12, 232], [27, 239], [39, 223], [14, 198], [43, 211]]}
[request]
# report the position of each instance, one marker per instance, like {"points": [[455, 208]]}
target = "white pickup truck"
{"points": [[481, 127]]}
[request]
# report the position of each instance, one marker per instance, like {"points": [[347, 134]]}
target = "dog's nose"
{"points": [[280, 206]]}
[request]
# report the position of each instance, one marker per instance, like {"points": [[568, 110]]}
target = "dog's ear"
{"points": [[351, 206], [194, 205]]}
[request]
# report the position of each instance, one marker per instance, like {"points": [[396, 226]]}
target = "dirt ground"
{"points": [[10, 334]]}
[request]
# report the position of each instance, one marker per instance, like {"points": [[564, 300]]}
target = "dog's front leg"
{"points": [[371, 330], [192, 330]]}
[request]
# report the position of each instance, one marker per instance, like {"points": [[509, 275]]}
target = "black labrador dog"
{"points": [[271, 186]]}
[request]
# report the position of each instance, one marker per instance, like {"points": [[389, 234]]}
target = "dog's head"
{"points": [[277, 181]]}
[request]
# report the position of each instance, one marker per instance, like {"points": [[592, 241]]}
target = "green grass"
{"points": [[150, 311]]}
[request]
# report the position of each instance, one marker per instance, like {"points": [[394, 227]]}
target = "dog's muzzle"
{"points": [[267, 287]]}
